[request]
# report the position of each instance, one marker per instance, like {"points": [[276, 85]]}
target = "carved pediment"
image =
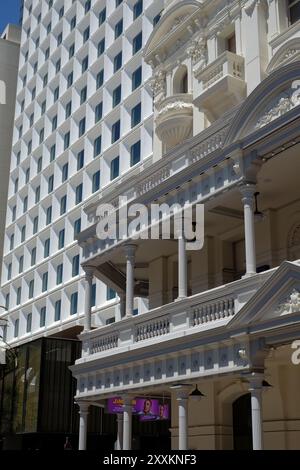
{"points": [[273, 98], [277, 299], [289, 52]]}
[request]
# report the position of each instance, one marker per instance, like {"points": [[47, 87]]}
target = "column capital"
{"points": [[130, 250], [255, 380], [83, 407], [127, 399], [248, 190]]}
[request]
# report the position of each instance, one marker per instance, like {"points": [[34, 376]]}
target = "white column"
{"points": [[183, 422], [256, 411], [248, 191], [88, 297], [83, 422], [182, 268], [130, 262], [120, 432], [127, 423]]}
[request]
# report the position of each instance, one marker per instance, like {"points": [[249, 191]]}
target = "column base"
{"points": [[247, 275], [181, 298]]}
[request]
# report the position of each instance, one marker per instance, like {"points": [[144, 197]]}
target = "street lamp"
{"points": [[196, 395]]}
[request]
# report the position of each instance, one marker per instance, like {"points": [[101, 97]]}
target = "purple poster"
{"points": [[148, 409]]}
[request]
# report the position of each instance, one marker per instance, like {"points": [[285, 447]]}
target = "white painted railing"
{"points": [[226, 64], [208, 309]]}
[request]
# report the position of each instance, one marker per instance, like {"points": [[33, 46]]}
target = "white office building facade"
{"points": [[84, 120]]}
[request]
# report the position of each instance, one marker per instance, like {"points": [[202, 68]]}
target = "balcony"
{"points": [[221, 85], [174, 119], [200, 313]]}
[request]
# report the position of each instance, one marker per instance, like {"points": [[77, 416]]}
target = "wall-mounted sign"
{"points": [[148, 409]]}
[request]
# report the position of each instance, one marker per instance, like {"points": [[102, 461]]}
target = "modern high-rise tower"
{"points": [[83, 122]]}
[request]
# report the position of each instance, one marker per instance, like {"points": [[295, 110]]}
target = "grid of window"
{"points": [[69, 84]]}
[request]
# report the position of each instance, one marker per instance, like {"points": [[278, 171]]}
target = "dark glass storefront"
{"points": [[37, 409]]}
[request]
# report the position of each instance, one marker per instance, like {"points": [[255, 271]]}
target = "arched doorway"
{"points": [[242, 423]]}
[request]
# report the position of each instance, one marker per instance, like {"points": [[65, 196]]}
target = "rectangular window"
{"points": [[63, 205], [45, 282], [75, 266], [136, 78], [52, 152], [98, 112], [136, 115], [137, 43], [74, 303], [78, 194], [137, 9], [77, 227], [71, 51], [135, 153], [101, 47], [21, 264], [33, 256], [49, 215], [57, 310], [28, 323], [86, 34], [61, 239], [99, 79], [50, 184], [81, 129], [59, 274], [47, 248], [85, 64], [66, 140], [115, 168], [16, 328], [68, 109], [119, 28], [35, 225], [97, 146], [54, 123], [43, 317], [102, 16], [56, 94], [111, 294], [31, 289], [9, 268], [23, 233], [39, 165], [37, 194], [93, 299], [80, 160], [19, 295], [117, 62], [117, 93], [83, 95], [70, 80], [96, 181], [65, 172], [115, 132]]}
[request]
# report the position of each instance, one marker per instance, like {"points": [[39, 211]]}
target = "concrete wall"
{"points": [[9, 59]]}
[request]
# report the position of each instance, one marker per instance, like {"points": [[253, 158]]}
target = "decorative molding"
{"points": [[280, 105], [291, 304]]}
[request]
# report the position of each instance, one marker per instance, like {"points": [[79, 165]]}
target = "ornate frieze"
{"points": [[291, 304], [280, 105]]}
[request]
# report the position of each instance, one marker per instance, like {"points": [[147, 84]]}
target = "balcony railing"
{"points": [[227, 64], [203, 311], [221, 81]]}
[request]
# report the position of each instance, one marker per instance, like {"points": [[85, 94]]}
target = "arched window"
{"points": [[180, 82]]}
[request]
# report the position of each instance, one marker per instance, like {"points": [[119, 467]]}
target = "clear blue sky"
{"points": [[9, 12]]}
